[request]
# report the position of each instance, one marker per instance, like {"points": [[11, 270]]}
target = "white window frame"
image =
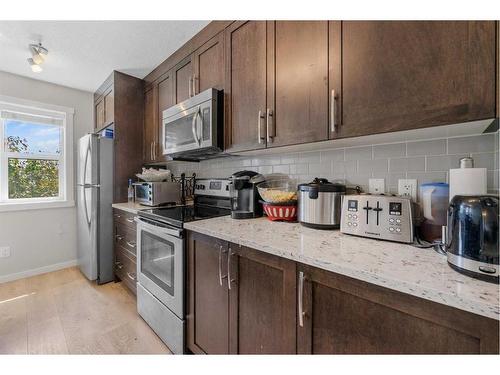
{"points": [[65, 158]]}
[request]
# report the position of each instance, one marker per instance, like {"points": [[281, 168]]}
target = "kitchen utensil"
{"points": [[378, 216], [433, 199], [472, 240], [320, 204], [285, 211]]}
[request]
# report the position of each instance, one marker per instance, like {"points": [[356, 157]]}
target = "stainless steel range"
{"points": [[161, 270]]}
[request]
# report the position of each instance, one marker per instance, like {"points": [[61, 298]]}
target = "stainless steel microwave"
{"points": [[193, 129]]}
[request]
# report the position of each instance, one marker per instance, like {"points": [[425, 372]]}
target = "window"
{"points": [[35, 155]]}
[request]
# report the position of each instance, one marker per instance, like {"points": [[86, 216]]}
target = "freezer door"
{"points": [[87, 160]]}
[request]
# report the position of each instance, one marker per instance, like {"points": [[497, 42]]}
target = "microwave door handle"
{"points": [[201, 126], [194, 127]]}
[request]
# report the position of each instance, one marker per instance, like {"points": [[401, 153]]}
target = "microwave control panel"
{"points": [[378, 216]]}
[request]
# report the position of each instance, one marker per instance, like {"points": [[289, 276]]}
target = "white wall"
{"points": [[42, 240]]}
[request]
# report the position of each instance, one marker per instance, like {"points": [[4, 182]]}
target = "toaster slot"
{"points": [[367, 209]]}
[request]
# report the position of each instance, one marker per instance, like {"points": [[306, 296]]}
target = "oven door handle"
{"points": [[157, 226]]}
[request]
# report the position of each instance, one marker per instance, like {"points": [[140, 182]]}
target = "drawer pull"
{"points": [[118, 265], [301, 299], [220, 265], [118, 237], [131, 244], [132, 276], [130, 220]]}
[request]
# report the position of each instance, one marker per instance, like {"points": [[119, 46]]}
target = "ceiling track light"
{"points": [[38, 52]]}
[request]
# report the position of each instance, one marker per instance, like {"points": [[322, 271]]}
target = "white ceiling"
{"points": [[83, 53]]}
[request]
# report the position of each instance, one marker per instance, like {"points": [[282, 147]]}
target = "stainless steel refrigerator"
{"points": [[94, 211]]}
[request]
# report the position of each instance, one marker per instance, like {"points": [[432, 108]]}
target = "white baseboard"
{"points": [[37, 271]]}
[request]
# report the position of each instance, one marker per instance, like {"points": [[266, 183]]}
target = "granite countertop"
{"points": [[419, 272], [131, 207]]}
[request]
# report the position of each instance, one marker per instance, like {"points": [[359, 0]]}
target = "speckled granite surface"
{"points": [[129, 207], [419, 272]]}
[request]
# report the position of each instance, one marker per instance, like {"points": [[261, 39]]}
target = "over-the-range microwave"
{"points": [[193, 129]]}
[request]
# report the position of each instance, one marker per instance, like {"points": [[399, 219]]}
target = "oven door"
{"points": [[160, 263]]}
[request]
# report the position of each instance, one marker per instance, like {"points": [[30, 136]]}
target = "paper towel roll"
{"points": [[468, 181]]}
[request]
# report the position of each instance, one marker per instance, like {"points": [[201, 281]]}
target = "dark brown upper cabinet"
{"points": [[300, 111], [246, 98], [406, 75], [209, 65], [165, 100], [150, 125], [183, 82], [99, 114]]}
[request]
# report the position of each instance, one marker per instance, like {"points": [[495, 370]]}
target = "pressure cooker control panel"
{"points": [[378, 216]]}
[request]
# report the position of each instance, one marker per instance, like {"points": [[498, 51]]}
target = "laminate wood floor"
{"points": [[63, 313]]}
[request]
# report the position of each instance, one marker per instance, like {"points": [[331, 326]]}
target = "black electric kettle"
{"points": [[472, 240]]}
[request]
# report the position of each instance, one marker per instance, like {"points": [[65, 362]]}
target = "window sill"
{"points": [[7, 207]]}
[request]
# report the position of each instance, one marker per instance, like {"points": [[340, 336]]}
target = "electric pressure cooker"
{"points": [[320, 204]]}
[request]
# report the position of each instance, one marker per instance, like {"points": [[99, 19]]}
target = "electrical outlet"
{"points": [[408, 188], [376, 186], [4, 252]]}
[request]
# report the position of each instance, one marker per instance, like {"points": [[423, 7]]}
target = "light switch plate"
{"points": [[4, 252], [376, 186], [408, 188]]}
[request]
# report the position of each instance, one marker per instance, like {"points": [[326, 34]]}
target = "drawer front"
{"points": [[124, 217], [126, 237], [126, 269]]}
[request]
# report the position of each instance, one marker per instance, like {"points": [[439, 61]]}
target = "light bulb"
{"points": [[38, 58]]}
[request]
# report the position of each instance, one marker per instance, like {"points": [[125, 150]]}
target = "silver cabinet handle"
{"points": [[118, 216], [118, 237], [131, 244], [154, 151], [301, 299], [220, 265], [130, 220], [270, 126], [151, 150], [260, 138], [118, 265], [190, 88], [194, 84], [333, 102], [132, 276], [229, 280]]}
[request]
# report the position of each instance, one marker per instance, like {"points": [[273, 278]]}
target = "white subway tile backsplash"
{"points": [[359, 153], [414, 164], [427, 161], [475, 143], [443, 163], [389, 151], [431, 147], [373, 166]]}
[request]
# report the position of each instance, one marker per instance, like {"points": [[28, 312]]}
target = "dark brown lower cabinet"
{"points": [[254, 314], [347, 316], [262, 302], [272, 305]]}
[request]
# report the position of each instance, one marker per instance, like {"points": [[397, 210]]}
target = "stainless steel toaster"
{"points": [[378, 216]]}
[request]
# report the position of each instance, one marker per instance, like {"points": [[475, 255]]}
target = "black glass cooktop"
{"points": [[179, 215]]}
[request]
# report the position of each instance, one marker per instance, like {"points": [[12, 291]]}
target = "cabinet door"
{"points": [[99, 114], [246, 85], [301, 82], [183, 80], [406, 75], [262, 302], [109, 108], [346, 316], [208, 299], [165, 100], [150, 125], [209, 65]]}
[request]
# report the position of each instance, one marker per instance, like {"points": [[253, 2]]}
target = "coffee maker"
{"points": [[472, 240], [244, 195]]}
